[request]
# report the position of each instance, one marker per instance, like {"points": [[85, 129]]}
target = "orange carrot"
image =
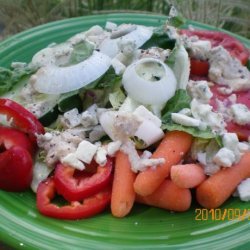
{"points": [[123, 194], [187, 175], [172, 148], [219, 187], [168, 196]]}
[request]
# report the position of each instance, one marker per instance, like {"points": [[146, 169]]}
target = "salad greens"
{"points": [[9, 78], [179, 101], [160, 38]]}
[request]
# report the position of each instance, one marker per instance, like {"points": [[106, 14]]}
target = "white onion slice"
{"points": [[182, 67], [56, 80], [140, 35], [146, 91]]}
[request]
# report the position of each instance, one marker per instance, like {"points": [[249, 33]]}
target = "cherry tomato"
{"points": [[243, 131], [199, 67], [21, 118], [76, 185], [75, 210], [15, 169], [234, 46]]}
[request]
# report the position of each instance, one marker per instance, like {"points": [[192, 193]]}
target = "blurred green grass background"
{"points": [[18, 15]]}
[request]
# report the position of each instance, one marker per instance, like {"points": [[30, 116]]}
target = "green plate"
{"points": [[22, 227]]}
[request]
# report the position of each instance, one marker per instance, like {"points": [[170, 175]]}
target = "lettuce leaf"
{"points": [[98, 92], [160, 38], [179, 101], [195, 132], [11, 77]]}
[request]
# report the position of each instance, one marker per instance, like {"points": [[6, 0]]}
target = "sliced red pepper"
{"points": [[10, 137], [75, 210], [21, 118], [15, 169], [76, 188]]}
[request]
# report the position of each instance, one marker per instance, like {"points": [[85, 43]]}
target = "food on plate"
{"points": [[127, 114], [123, 193], [187, 175]]}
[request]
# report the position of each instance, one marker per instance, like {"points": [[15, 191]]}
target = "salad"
{"points": [[126, 114]]}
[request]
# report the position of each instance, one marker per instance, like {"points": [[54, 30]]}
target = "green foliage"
{"points": [[17, 15], [178, 102], [9, 78]]}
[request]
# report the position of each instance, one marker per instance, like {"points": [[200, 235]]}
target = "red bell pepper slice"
{"points": [[75, 210], [21, 118], [10, 137], [77, 187], [15, 169]]}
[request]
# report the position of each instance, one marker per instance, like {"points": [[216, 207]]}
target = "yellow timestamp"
{"points": [[218, 214]]}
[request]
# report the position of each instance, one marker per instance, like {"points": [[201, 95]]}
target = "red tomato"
{"points": [[75, 210], [234, 46], [10, 137], [15, 169], [199, 67], [76, 187], [21, 118], [243, 131]]}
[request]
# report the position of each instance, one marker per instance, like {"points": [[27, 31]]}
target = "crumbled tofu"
{"points": [[96, 133], [185, 111], [113, 147], [58, 144], [146, 154], [228, 71], [127, 46], [110, 26], [101, 156], [230, 140], [244, 190], [200, 91], [72, 118], [149, 133], [86, 151], [73, 161], [144, 113], [240, 114], [204, 113], [88, 119], [154, 52], [137, 163], [224, 157], [185, 120], [200, 49], [122, 30]]}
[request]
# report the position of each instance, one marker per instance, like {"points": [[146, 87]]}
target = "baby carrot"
{"points": [[214, 191], [187, 175], [168, 196], [123, 194], [172, 148]]}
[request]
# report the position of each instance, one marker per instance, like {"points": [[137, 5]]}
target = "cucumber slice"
{"points": [[69, 101], [49, 117]]}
